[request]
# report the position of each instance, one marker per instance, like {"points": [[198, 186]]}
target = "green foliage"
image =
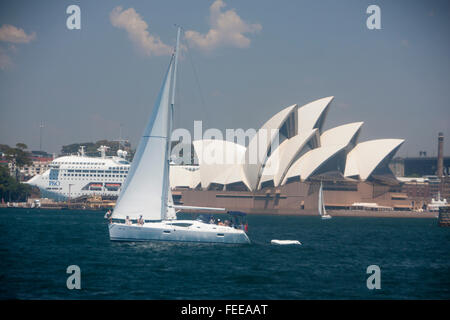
{"points": [[21, 146], [90, 148], [10, 189], [74, 147], [16, 155], [4, 147]]}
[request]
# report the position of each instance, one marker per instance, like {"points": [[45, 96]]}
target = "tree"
{"points": [[90, 148], [21, 158], [10, 189], [18, 156], [21, 146]]}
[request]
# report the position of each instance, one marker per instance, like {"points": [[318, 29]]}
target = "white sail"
{"points": [[324, 211], [145, 189], [171, 214], [320, 203]]}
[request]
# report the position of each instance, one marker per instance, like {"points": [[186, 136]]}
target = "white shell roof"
{"points": [[366, 156], [282, 158], [224, 162], [341, 135], [310, 161], [310, 114], [184, 176], [332, 141], [260, 144], [219, 161]]}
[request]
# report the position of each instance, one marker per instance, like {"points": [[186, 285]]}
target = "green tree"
{"points": [[21, 146], [90, 148], [18, 156], [10, 189]]}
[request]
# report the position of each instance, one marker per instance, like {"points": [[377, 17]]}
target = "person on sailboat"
{"points": [[108, 215], [140, 221], [127, 220]]}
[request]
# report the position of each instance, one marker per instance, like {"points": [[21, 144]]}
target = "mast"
{"points": [[175, 67], [174, 84], [41, 127], [166, 188]]}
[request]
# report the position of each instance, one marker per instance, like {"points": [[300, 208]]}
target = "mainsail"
{"points": [[171, 213], [145, 189]]}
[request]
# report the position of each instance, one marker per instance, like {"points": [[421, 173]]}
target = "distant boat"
{"points": [[80, 175], [321, 205], [146, 197], [437, 203], [285, 242]]}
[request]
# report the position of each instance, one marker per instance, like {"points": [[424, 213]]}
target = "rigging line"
{"points": [[176, 115], [196, 77], [177, 92]]}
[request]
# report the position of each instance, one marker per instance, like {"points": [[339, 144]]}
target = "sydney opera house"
{"points": [[295, 155]]}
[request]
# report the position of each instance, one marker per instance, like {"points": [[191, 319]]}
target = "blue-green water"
{"points": [[37, 246]]}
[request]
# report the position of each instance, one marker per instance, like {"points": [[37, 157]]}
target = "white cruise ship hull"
{"points": [[177, 230]]}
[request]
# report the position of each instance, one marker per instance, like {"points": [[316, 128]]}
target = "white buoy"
{"points": [[285, 242]]}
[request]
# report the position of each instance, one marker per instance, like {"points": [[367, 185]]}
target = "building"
{"points": [[422, 190], [39, 164], [418, 166], [424, 178], [297, 155]]}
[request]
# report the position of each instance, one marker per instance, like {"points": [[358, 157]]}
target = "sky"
{"points": [[243, 61]]}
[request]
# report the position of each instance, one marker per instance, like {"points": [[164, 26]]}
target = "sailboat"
{"points": [[321, 205], [146, 196]]}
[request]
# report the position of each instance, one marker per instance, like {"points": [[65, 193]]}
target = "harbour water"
{"points": [[37, 246]]}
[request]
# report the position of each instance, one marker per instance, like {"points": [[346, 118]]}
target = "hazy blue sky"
{"points": [[260, 57]]}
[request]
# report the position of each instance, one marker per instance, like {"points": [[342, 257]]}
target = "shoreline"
{"points": [[384, 214], [333, 213], [359, 213]]}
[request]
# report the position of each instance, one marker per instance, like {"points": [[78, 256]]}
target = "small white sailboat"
{"points": [[146, 197], [321, 205], [435, 204]]}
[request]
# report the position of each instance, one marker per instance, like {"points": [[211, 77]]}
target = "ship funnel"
{"points": [[102, 150], [440, 158], [122, 153], [81, 151]]}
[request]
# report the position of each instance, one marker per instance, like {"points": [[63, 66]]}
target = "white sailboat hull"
{"points": [[177, 230], [326, 216]]}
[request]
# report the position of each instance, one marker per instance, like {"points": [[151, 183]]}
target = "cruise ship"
{"points": [[80, 175]]}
